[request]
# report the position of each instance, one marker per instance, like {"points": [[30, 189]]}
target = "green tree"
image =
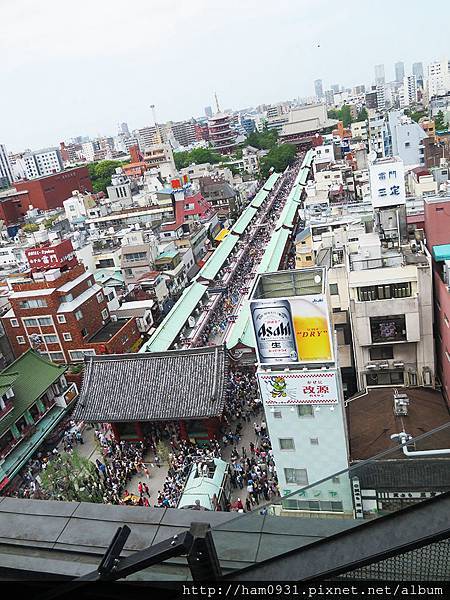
{"points": [[416, 115], [30, 228], [362, 114], [346, 115], [100, 173], [278, 159], [73, 478], [439, 122], [343, 114], [197, 156], [49, 222], [263, 140]]}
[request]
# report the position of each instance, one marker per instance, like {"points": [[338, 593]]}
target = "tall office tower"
{"points": [[6, 177], [379, 75], [124, 129], [318, 89], [417, 71], [335, 88], [399, 71], [208, 111]]}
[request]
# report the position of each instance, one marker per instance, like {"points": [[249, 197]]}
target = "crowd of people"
{"points": [[250, 249], [251, 467]]}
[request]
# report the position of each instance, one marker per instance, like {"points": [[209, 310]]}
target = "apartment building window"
{"points": [[20, 339], [61, 318], [67, 337], [45, 321], [67, 298], [51, 339], [89, 283], [99, 297], [384, 292], [305, 410], [388, 329], [135, 256], [297, 476], [385, 378], [277, 414], [78, 315], [286, 444], [334, 291], [381, 353], [37, 303], [14, 323], [317, 505], [55, 356], [30, 322], [80, 354], [84, 332], [104, 313], [314, 441]]}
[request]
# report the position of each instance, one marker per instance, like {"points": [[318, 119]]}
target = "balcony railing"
{"points": [[5, 411]]}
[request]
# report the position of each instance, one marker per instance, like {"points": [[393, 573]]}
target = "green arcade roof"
{"points": [[219, 256], [169, 329], [31, 376]]}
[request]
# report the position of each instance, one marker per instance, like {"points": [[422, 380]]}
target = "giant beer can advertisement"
{"points": [[292, 330]]}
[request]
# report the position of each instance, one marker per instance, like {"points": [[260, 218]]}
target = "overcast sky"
{"points": [[80, 68]]}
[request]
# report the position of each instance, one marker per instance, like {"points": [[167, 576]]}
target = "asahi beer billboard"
{"points": [[298, 387], [292, 330]]}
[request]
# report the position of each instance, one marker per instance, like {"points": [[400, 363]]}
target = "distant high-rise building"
{"points": [[399, 71], [6, 177], [417, 71], [318, 89], [329, 97], [379, 75], [124, 129], [438, 78], [335, 87], [208, 111]]}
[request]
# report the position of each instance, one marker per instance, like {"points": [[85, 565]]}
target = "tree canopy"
{"points": [[72, 478], [343, 114], [362, 114], [263, 140], [197, 156], [440, 122], [30, 227], [278, 158], [100, 173]]}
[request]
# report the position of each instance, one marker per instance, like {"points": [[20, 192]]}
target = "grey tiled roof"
{"points": [[155, 386]]}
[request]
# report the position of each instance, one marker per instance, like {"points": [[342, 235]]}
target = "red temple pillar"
{"points": [[115, 431], [183, 430], [211, 428], [139, 432]]}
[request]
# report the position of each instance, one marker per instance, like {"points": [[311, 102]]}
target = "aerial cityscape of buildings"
{"points": [[244, 312]]}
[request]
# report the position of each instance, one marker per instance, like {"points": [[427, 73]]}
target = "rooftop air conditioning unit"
{"points": [[114, 318], [384, 365], [371, 367], [398, 364]]}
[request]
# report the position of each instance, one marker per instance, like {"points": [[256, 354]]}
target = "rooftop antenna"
{"points": [[158, 133], [217, 102]]}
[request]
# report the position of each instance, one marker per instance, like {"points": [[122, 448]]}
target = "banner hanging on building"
{"points": [[301, 387], [292, 330]]}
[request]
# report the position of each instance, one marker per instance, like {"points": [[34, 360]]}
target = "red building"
{"points": [[50, 192], [437, 230], [60, 311], [13, 205]]}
